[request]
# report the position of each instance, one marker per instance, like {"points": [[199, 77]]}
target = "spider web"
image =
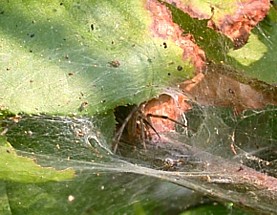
{"points": [[217, 141]]}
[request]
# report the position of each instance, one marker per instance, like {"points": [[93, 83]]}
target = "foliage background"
{"points": [[83, 59]]}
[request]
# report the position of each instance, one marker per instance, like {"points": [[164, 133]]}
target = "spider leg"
{"points": [[121, 129], [142, 132], [148, 122], [143, 120], [168, 118]]}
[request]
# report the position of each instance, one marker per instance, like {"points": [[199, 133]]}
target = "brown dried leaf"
{"points": [[170, 107], [217, 89]]}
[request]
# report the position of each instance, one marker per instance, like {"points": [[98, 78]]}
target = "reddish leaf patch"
{"points": [[237, 26], [164, 110], [164, 27]]}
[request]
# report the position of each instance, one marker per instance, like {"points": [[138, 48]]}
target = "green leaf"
{"points": [[21, 169], [86, 57], [215, 209], [258, 57], [4, 200], [213, 43], [116, 183]]}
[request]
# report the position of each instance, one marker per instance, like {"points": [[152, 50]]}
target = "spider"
{"points": [[138, 124], [134, 122]]}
